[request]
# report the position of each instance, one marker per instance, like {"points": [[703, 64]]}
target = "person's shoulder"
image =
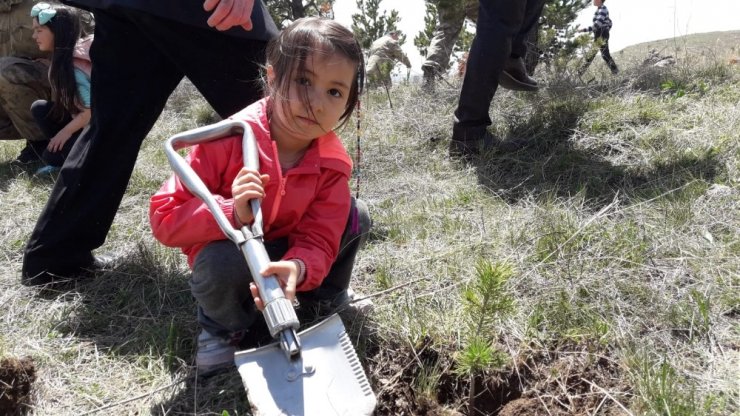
{"points": [[332, 154], [255, 113]]}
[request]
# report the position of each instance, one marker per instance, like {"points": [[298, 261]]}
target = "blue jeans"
{"points": [[220, 279]]}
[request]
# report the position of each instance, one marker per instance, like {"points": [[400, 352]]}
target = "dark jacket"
{"points": [[189, 12]]}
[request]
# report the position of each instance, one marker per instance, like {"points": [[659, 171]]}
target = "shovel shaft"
{"points": [[279, 313]]}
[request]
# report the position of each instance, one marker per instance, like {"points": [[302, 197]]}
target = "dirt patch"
{"points": [[572, 381], [16, 378]]}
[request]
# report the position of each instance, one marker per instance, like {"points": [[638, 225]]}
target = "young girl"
{"points": [[313, 228], [56, 29]]}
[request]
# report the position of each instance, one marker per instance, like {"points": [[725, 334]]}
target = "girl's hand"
{"points": [[229, 13], [286, 271], [248, 184], [57, 142]]}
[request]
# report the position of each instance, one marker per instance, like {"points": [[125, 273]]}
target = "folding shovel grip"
{"points": [[279, 313]]}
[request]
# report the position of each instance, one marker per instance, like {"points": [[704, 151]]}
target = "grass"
{"points": [[618, 227]]}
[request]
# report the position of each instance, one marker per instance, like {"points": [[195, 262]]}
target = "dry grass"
{"points": [[620, 220]]}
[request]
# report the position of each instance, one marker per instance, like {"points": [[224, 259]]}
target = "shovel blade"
{"points": [[326, 380]]}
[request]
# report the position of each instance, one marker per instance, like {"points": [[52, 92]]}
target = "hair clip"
{"points": [[44, 12]]}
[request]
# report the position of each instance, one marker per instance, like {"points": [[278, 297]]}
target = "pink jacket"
{"points": [[309, 205]]}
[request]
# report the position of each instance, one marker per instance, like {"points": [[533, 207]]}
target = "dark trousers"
{"points": [[138, 60], [501, 31], [601, 38], [50, 127], [220, 279]]}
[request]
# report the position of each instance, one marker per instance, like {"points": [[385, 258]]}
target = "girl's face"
{"points": [[326, 83], [43, 36], [598, 3]]}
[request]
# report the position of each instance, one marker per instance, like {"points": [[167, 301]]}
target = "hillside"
{"points": [[719, 45], [596, 271]]}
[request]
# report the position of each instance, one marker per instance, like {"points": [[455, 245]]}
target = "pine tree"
{"points": [[283, 11], [551, 37], [369, 24], [423, 39]]}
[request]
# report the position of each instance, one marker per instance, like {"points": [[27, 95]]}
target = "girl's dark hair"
{"points": [[65, 25], [288, 53]]}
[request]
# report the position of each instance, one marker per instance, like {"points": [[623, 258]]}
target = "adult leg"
{"points": [[451, 15], [514, 75], [224, 69], [498, 23], [92, 182], [22, 81], [532, 15]]}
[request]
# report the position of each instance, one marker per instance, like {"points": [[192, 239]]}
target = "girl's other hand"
{"points": [[286, 271], [248, 184], [229, 13], [57, 142]]}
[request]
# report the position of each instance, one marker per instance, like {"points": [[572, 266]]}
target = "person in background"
{"points": [[142, 50], [384, 53], [56, 29], [498, 37], [23, 79], [313, 227], [451, 15], [602, 24]]}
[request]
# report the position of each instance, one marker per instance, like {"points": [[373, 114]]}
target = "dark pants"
{"points": [[138, 60], [220, 279], [601, 38], [501, 31], [50, 127]]}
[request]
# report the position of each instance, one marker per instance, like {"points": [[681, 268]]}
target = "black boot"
{"points": [[32, 152], [428, 81]]}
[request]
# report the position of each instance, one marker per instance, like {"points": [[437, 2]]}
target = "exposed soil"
{"points": [[16, 378], [571, 380]]}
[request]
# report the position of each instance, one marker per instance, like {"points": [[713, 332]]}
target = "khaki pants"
{"points": [[22, 81]]}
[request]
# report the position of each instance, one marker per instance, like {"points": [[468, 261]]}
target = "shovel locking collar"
{"points": [[316, 372]]}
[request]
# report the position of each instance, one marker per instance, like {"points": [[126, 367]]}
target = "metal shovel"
{"points": [[315, 372]]}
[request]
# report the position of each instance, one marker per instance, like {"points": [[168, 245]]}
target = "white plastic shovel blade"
{"points": [[327, 380]]}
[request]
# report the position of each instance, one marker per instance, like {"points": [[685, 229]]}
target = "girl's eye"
{"points": [[303, 81], [335, 93]]}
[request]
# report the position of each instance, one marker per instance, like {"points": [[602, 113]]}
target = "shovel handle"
{"points": [[279, 313]]}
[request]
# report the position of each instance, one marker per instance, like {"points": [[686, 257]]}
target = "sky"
{"points": [[635, 21]]}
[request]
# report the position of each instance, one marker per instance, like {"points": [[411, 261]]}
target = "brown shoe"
{"points": [[514, 76]]}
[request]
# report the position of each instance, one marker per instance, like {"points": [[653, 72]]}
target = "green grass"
{"points": [[614, 237]]}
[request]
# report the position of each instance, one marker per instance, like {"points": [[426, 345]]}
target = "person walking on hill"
{"points": [[142, 50], [384, 53], [602, 24], [497, 39]]}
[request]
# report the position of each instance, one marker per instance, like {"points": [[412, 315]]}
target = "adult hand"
{"points": [[229, 13], [57, 142], [286, 271]]}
